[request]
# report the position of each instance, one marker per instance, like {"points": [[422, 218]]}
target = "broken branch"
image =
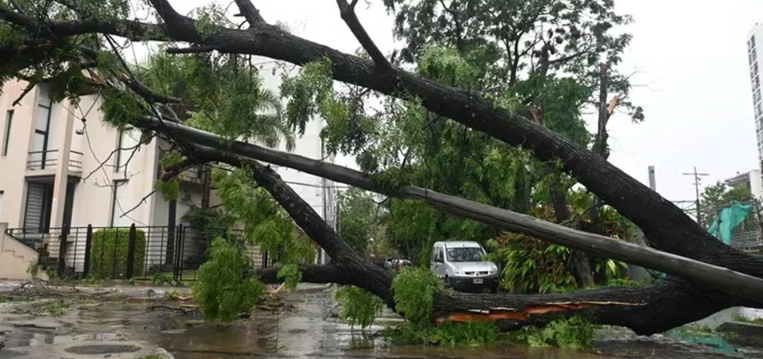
{"points": [[347, 12]]}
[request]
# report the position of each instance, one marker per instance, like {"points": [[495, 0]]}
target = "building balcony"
{"points": [[46, 162]]}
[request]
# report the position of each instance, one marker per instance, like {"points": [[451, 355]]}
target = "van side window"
{"points": [[439, 254], [434, 254]]}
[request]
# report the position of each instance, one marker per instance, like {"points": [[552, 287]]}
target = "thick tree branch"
{"points": [[664, 224], [740, 284], [361, 273], [311, 273], [645, 310], [250, 13], [347, 12]]}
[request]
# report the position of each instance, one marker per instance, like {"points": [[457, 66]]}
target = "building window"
{"points": [[38, 158], [126, 143], [39, 203], [118, 199], [7, 133]]}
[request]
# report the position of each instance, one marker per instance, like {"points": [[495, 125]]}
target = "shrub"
{"points": [[108, 253]]}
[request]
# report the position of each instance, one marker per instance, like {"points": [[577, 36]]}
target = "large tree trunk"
{"points": [[732, 282], [665, 226], [645, 310]]}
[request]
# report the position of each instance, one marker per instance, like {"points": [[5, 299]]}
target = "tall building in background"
{"points": [[755, 52]]}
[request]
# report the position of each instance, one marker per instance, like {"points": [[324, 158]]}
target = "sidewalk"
{"points": [[141, 291]]}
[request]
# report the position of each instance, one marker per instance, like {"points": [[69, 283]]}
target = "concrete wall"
{"points": [[15, 257], [14, 163], [92, 143]]}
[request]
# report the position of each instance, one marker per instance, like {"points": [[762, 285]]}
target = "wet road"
{"points": [[309, 330]]}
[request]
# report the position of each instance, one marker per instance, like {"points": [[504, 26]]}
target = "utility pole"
{"points": [[697, 181]]}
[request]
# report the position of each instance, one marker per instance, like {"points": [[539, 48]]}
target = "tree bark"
{"points": [[700, 272], [645, 310], [666, 226]]}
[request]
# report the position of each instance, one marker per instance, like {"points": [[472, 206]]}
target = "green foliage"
{"points": [[414, 290], [94, 279], [55, 308], [534, 266], [448, 333], [357, 218], [108, 252], [265, 223], [358, 306], [222, 291], [575, 332], [290, 273], [169, 189]]}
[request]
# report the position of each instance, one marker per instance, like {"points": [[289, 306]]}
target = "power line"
{"points": [[697, 182]]}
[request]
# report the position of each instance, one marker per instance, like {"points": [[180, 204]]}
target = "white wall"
{"points": [[309, 187], [93, 197], [756, 57], [756, 184]]}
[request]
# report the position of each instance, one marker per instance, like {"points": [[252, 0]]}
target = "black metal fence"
{"points": [[143, 253]]}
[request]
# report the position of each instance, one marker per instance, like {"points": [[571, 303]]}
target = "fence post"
{"points": [[88, 246], [131, 251], [62, 251], [178, 261]]}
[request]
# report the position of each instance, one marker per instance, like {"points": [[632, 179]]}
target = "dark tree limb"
{"points": [[739, 284], [311, 273], [347, 12], [664, 224], [250, 13], [360, 272], [645, 310]]}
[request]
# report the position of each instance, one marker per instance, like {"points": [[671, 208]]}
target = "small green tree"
{"points": [[222, 291]]}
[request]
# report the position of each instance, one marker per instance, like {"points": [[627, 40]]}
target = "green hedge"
{"points": [[110, 245]]}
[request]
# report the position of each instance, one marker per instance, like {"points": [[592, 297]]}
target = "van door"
{"points": [[437, 265]]}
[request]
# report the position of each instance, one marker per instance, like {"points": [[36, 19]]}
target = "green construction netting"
{"points": [[730, 217]]}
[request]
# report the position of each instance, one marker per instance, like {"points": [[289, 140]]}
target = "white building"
{"points": [[751, 181], [754, 53], [51, 174]]}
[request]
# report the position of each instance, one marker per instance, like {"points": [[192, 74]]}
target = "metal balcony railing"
{"points": [[40, 160]]}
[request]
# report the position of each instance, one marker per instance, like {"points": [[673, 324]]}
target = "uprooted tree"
{"points": [[70, 45]]}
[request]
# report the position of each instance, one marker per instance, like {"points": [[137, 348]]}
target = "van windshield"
{"points": [[465, 254]]}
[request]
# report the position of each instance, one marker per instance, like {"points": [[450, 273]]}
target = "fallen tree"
{"points": [[216, 148], [668, 304], [646, 310]]}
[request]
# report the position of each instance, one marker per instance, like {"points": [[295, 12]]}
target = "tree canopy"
{"points": [[488, 127]]}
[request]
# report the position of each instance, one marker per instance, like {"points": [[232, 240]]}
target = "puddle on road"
{"points": [[307, 331]]}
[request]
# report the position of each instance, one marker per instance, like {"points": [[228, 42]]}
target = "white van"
{"points": [[460, 265]]}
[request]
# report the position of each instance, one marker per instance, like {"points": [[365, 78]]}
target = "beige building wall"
{"points": [[81, 161]]}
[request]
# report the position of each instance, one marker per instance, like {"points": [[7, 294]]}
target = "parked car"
{"points": [[397, 263], [459, 264]]}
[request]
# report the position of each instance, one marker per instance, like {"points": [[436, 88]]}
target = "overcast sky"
{"points": [[692, 62]]}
